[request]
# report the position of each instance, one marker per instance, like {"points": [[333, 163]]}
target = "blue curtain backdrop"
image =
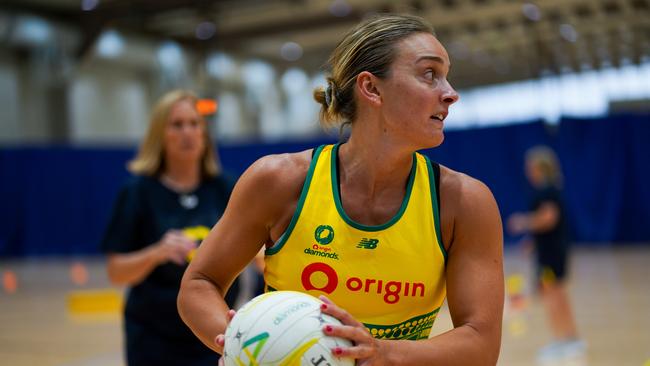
{"points": [[57, 200]]}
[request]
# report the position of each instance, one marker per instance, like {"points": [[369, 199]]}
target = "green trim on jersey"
{"points": [[434, 201], [414, 329], [305, 188], [339, 205]]}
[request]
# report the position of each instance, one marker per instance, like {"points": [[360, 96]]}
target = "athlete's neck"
{"points": [[181, 176], [374, 167]]}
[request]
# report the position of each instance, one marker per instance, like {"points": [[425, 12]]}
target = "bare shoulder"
{"points": [[466, 206], [461, 188], [271, 186], [278, 173]]}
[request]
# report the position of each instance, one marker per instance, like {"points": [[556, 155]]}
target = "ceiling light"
{"points": [[291, 51], [170, 55], [31, 31], [221, 66], [205, 30], [568, 32], [340, 8], [88, 5], [531, 11], [110, 44]]}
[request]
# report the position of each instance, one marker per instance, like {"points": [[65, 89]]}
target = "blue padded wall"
{"points": [[55, 200]]}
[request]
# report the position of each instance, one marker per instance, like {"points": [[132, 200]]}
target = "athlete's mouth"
{"points": [[439, 116]]}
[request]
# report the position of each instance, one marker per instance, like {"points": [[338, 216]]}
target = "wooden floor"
{"points": [[610, 290]]}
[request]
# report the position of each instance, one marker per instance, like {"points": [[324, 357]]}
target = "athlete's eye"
{"points": [[429, 74]]}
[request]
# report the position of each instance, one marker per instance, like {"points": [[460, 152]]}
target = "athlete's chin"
{"points": [[435, 140]]}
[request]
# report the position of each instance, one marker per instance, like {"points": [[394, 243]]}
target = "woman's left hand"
{"points": [[220, 340], [518, 223], [367, 350]]}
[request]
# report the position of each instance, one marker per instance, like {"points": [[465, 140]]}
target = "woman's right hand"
{"points": [[174, 246], [365, 349], [220, 340]]}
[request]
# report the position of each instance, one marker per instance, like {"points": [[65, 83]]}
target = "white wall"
{"points": [[108, 104], [9, 126]]}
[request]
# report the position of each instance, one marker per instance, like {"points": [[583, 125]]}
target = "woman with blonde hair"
{"points": [[161, 214], [547, 222], [370, 208]]}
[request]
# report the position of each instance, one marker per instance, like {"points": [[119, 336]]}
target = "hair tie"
{"points": [[328, 94]]}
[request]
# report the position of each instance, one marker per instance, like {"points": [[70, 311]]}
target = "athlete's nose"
{"points": [[449, 94]]}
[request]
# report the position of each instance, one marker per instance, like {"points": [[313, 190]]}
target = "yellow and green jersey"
{"points": [[391, 277]]}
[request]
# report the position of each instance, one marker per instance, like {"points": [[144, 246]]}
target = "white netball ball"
{"points": [[282, 328]]}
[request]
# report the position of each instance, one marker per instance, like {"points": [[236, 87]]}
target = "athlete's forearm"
{"points": [[460, 346], [203, 309]]}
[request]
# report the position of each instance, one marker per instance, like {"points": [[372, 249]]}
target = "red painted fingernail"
{"points": [[328, 328], [323, 306], [338, 351]]}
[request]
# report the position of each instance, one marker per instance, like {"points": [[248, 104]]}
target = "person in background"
{"points": [[370, 208], [161, 214], [547, 222]]}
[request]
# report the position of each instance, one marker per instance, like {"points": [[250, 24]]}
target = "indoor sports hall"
{"points": [[79, 80]]}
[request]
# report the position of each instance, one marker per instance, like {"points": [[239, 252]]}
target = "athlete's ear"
{"points": [[367, 88]]}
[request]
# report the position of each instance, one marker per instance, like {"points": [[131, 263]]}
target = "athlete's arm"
{"points": [[472, 225], [543, 219], [475, 285], [259, 203]]}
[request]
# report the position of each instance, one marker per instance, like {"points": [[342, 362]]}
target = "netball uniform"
{"points": [[391, 277]]}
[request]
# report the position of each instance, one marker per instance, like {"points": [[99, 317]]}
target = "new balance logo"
{"points": [[366, 243]]}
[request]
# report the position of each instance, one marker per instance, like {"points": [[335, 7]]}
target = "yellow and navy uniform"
{"points": [[391, 277]]}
